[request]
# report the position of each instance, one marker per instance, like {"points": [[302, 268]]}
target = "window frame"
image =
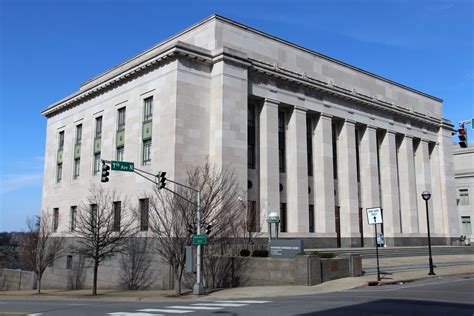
{"points": [[121, 118], [78, 134], [148, 109], [98, 127], [146, 152]]}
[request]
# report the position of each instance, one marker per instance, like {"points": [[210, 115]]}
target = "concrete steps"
{"points": [[390, 252]]}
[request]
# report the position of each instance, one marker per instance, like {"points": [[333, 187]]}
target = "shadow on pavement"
{"points": [[399, 307]]}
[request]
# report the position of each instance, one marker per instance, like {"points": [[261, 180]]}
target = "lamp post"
{"points": [[426, 196]]}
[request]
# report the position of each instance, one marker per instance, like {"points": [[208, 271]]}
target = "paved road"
{"points": [[446, 296]]}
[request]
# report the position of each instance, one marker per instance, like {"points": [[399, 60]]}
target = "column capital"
{"points": [[349, 121], [371, 127], [272, 101], [389, 131], [326, 115], [300, 109]]}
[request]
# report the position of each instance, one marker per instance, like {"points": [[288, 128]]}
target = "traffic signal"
{"points": [[191, 229], [207, 229], [462, 135], [105, 172], [162, 180]]}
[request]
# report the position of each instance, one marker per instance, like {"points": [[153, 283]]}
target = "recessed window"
{"points": [[117, 215], [148, 109], [69, 262], [97, 163], [55, 219], [253, 218], [249, 184], [121, 119], [147, 152], [98, 126], [61, 140], [120, 151], [73, 218], [77, 168], [281, 141], [466, 225], [144, 206], [251, 135], [59, 172], [78, 134], [311, 218], [283, 218], [463, 197]]}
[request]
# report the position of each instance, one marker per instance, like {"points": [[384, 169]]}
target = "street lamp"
{"points": [[426, 196]]}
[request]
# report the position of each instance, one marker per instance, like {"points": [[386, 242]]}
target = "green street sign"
{"points": [[199, 239], [121, 165]]}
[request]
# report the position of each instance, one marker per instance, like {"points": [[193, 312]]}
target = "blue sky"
{"points": [[48, 48]]}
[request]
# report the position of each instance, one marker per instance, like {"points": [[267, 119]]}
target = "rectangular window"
{"points": [[55, 219], [69, 262], [77, 168], [121, 119], [93, 217], [98, 126], [251, 137], [78, 134], [311, 218], [281, 141], [253, 218], [59, 172], [283, 222], [117, 215], [73, 218], [120, 150], [466, 225], [61, 140], [144, 205], [97, 163], [147, 152], [148, 109], [309, 145], [463, 197]]}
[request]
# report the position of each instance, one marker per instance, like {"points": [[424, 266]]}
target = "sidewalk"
{"points": [[271, 291]]}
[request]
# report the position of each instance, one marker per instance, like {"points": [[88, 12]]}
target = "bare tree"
{"points": [[76, 275], [39, 247], [103, 225], [172, 214], [136, 263]]}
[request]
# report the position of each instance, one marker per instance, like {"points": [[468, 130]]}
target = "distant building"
{"points": [[464, 174], [312, 138]]}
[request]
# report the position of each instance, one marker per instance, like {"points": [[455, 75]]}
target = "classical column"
{"points": [[268, 156], [369, 179], [323, 177], [448, 186], [408, 196], [347, 184], [437, 224], [389, 187], [297, 173], [423, 183]]}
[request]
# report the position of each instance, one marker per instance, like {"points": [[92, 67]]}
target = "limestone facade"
{"points": [[309, 137], [464, 175]]}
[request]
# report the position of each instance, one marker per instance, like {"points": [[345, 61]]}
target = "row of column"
{"points": [[402, 174]]}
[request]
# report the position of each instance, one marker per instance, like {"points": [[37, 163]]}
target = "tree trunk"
{"points": [[177, 285], [94, 283], [38, 283]]}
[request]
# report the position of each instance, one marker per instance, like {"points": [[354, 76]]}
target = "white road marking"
{"points": [[220, 304], [194, 307], [36, 314], [244, 302], [134, 314], [165, 310]]}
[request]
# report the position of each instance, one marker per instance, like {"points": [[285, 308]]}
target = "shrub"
{"points": [[327, 255], [245, 252], [260, 253]]}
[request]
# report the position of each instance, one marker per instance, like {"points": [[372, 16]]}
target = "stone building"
{"points": [[464, 175], [310, 137]]}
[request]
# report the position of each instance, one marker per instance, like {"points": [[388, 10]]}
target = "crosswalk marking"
{"points": [[194, 307], [220, 304], [244, 302], [165, 310]]}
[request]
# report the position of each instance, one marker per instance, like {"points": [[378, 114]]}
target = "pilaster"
{"points": [[297, 173], [323, 177], [268, 155]]}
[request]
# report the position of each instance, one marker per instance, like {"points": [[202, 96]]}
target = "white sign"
{"points": [[374, 215]]}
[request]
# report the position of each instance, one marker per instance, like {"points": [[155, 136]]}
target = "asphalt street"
{"points": [[444, 296]]}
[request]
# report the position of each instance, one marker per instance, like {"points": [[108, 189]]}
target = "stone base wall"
{"points": [[14, 280]]}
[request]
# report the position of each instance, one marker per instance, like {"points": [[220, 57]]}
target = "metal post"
{"points": [[198, 287], [429, 240], [377, 251]]}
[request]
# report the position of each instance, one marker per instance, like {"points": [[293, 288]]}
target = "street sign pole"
{"points": [[198, 287], [377, 251]]}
